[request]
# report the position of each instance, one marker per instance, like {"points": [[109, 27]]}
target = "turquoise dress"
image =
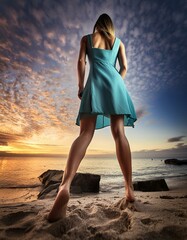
{"points": [[105, 92]]}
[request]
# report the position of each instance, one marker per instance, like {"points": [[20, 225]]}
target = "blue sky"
{"points": [[38, 86]]}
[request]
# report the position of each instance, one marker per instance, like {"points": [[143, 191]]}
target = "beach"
{"points": [[154, 215], [101, 94]]}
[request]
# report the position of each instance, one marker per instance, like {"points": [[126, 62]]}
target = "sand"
{"points": [[154, 215]]}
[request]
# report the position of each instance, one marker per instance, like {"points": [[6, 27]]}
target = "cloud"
{"points": [[7, 138], [152, 63], [39, 48], [181, 146], [3, 143], [141, 112], [180, 151], [176, 139]]}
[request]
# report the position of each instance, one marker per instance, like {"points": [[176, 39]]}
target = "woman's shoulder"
{"points": [[118, 39], [121, 43], [85, 37]]}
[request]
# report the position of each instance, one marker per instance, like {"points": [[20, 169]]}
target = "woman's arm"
{"points": [[81, 64], [122, 60]]}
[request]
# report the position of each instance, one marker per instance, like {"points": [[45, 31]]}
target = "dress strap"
{"points": [[116, 44]]}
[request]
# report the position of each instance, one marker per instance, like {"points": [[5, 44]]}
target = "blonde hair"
{"points": [[105, 25]]}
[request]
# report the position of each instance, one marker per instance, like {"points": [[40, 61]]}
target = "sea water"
{"points": [[19, 176]]}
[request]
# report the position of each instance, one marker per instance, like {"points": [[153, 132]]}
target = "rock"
{"points": [[175, 161], [88, 182], [51, 175], [151, 185], [82, 182], [47, 190]]}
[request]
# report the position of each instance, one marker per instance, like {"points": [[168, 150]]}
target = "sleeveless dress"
{"points": [[105, 92]]}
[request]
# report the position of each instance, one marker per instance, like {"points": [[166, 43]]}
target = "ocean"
{"points": [[19, 176]]}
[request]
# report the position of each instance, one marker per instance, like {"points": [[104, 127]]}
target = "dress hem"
{"points": [[97, 128], [128, 115]]}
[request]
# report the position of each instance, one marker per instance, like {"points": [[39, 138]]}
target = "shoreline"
{"points": [[28, 194], [154, 215]]}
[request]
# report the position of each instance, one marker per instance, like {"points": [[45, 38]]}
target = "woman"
{"points": [[104, 101]]}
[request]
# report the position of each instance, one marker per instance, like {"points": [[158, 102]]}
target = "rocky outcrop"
{"points": [[82, 182], [151, 185], [51, 176], [175, 161]]}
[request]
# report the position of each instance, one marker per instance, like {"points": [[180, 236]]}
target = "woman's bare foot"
{"points": [[58, 210], [130, 194]]}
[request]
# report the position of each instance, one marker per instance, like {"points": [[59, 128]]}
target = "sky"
{"points": [[39, 46]]}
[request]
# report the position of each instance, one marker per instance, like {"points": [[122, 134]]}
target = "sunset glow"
{"points": [[38, 86]]}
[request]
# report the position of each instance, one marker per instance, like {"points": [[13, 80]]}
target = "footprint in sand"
{"points": [[21, 230], [14, 218], [81, 213], [18, 223], [147, 221], [111, 213], [167, 232], [95, 222], [123, 204]]}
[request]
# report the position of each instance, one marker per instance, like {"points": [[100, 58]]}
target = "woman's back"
{"points": [[101, 41]]}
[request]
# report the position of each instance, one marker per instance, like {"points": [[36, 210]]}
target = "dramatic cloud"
{"points": [[39, 47], [176, 139]]}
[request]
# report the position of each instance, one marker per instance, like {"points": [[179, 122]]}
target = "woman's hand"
{"points": [[122, 60], [80, 92]]}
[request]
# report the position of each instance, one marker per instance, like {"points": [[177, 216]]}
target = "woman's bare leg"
{"points": [[123, 153], [76, 154]]}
